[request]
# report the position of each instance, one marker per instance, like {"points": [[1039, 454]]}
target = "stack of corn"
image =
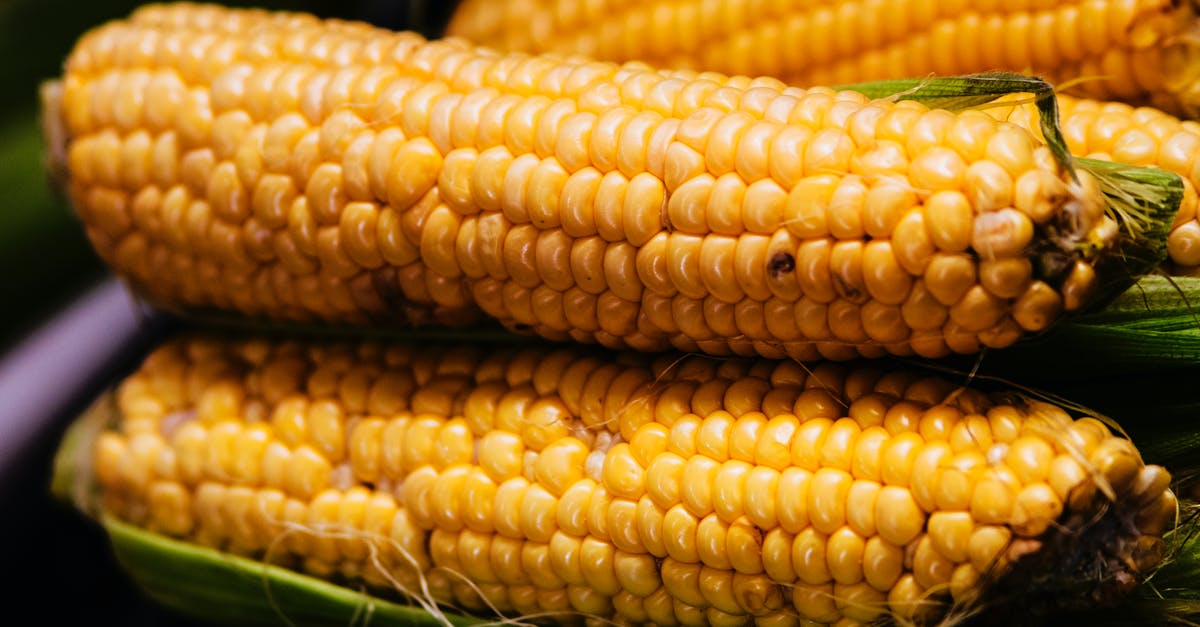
{"points": [[281, 168]]}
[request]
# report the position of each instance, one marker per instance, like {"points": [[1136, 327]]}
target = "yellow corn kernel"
{"points": [[566, 198], [874, 492]]}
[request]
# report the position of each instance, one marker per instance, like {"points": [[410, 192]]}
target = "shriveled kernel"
{"points": [[1039, 195], [1002, 233]]}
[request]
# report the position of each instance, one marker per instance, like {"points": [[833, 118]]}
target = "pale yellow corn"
{"points": [[1142, 51], [644, 489], [279, 166]]}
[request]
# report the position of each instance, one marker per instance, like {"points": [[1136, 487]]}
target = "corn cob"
{"points": [[1142, 51], [664, 489], [284, 167]]}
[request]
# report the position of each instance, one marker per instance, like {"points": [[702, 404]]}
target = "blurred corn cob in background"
{"points": [[577, 484], [1142, 51], [283, 167]]}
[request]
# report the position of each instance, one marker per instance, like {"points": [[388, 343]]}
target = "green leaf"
{"points": [[225, 589]]}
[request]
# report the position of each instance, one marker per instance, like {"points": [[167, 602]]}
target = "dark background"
{"points": [[56, 564]]}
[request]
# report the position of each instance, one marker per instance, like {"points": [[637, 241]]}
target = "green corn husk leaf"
{"points": [[227, 589]]}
